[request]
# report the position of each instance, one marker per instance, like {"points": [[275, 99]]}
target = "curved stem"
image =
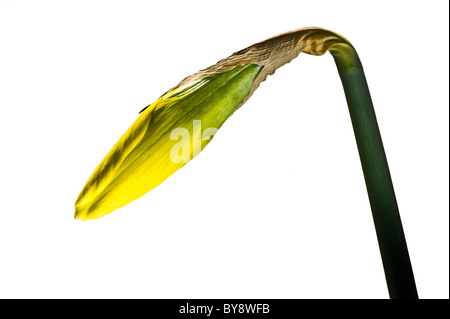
{"points": [[391, 239]]}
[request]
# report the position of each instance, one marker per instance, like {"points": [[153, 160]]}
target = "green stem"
{"points": [[388, 226]]}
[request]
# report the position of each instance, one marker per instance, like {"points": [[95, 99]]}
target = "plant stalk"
{"points": [[388, 226]]}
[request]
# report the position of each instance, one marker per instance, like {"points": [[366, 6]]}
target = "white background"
{"points": [[275, 206]]}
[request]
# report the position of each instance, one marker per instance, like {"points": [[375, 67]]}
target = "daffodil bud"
{"points": [[175, 128]]}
